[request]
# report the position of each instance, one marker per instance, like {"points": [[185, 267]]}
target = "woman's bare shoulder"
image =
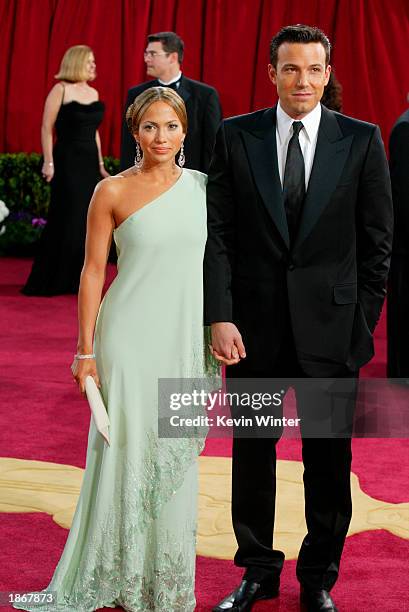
{"points": [[114, 185], [59, 86], [108, 185], [95, 92], [56, 90]]}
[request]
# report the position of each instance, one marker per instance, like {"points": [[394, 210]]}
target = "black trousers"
{"points": [[328, 504]]}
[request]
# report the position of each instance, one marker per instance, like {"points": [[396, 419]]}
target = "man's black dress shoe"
{"points": [[243, 598], [317, 601]]}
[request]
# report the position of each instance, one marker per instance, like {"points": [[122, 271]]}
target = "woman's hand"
{"points": [[227, 344], [104, 173], [224, 360], [81, 368], [47, 171]]}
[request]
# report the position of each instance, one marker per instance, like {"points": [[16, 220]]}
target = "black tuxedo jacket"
{"points": [[329, 286], [399, 167], [204, 115]]}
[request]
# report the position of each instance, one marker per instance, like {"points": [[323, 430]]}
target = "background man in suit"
{"points": [[398, 286], [299, 240], [163, 57]]}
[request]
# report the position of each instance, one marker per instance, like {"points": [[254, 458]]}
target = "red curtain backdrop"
{"points": [[226, 45]]}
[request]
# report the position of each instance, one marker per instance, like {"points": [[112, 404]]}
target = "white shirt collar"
{"points": [[174, 80], [311, 123]]}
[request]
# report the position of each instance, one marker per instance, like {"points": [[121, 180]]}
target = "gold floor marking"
{"points": [[38, 486]]}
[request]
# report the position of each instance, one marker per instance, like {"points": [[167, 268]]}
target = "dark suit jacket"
{"points": [[330, 286], [204, 115], [399, 167]]}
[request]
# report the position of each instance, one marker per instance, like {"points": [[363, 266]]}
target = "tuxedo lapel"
{"points": [[184, 89], [330, 156], [261, 147]]}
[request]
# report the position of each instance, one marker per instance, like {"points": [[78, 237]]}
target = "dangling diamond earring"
{"points": [[138, 157], [182, 157]]}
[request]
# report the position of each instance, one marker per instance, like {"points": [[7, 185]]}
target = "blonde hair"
{"points": [[73, 66], [142, 102]]}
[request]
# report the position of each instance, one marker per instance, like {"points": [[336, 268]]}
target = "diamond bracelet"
{"points": [[79, 356]]}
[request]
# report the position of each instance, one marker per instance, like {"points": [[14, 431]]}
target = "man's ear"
{"points": [[272, 74], [327, 73]]}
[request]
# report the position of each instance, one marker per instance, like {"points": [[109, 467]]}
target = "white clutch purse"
{"points": [[98, 409]]}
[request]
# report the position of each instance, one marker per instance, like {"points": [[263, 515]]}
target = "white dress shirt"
{"points": [[308, 139], [174, 80]]}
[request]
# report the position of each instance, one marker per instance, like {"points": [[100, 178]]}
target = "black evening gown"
{"points": [[60, 257]]}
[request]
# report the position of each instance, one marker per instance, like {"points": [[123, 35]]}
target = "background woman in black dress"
{"points": [[74, 166]]}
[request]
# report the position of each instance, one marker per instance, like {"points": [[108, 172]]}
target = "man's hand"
{"points": [[227, 344]]}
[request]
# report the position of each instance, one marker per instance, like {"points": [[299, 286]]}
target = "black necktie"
{"points": [[294, 181]]}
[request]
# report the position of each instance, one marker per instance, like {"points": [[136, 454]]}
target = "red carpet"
{"points": [[43, 417]]}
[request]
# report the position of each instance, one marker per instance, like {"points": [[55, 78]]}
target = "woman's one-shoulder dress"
{"points": [[132, 540]]}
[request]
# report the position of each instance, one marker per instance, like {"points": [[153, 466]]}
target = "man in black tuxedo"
{"points": [[299, 240], [398, 286], [163, 57]]}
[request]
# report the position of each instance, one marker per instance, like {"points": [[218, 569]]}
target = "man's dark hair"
{"points": [[299, 33], [171, 42], [332, 96]]}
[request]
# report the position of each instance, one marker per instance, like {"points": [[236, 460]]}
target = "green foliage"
{"points": [[27, 196], [19, 239], [111, 165], [22, 188]]}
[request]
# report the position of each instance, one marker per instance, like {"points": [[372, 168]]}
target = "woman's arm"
{"points": [[102, 170], [100, 225], [51, 108]]}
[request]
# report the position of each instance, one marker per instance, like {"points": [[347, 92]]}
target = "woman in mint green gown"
{"points": [[132, 540]]}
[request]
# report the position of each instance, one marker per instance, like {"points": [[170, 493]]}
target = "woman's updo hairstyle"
{"points": [[142, 102]]}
